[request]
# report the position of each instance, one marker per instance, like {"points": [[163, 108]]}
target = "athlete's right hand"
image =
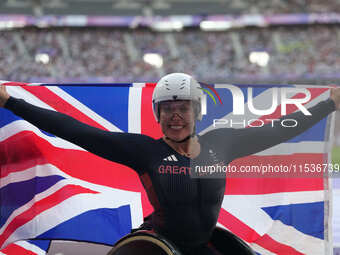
{"points": [[3, 95], [335, 96]]}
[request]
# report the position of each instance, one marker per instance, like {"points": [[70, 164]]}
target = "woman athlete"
{"points": [[186, 209]]}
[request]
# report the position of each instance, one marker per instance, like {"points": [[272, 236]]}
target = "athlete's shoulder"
{"points": [[139, 138]]}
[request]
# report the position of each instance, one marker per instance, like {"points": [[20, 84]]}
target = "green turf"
{"points": [[336, 155]]}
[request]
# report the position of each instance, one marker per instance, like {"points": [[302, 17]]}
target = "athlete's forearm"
{"points": [[56, 123], [50, 121]]}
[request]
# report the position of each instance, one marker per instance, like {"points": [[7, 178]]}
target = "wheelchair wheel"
{"points": [[228, 243], [143, 243]]}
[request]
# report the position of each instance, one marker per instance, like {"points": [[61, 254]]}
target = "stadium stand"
{"points": [[294, 54]]}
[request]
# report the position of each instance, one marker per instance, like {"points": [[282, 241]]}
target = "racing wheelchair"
{"points": [[146, 242]]}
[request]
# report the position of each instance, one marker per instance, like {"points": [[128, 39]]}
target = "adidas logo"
{"points": [[213, 155], [170, 158]]}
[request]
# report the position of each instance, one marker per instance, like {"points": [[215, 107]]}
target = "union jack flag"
{"points": [[51, 189]]}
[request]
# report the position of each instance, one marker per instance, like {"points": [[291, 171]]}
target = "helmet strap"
{"points": [[185, 139], [181, 141]]}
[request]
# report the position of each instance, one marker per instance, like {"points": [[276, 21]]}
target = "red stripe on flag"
{"points": [[286, 182], [278, 248], [149, 125], [60, 105], [253, 186], [150, 85], [14, 83], [42, 205], [13, 249], [33, 150], [237, 227], [19, 153], [251, 236], [290, 108]]}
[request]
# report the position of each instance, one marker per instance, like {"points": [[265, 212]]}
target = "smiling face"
{"points": [[177, 119]]}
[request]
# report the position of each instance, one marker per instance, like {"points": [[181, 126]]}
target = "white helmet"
{"points": [[177, 86]]}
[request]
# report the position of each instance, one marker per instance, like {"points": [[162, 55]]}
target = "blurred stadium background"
{"points": [[243, 41]]}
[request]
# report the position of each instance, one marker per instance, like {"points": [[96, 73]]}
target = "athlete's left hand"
{"points": [[3, 95], [335, 96]]}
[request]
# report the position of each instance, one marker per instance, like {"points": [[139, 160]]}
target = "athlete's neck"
{"points": [[190, 148]]}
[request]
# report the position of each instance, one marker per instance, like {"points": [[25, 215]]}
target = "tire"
{"points": [[143, 242]]}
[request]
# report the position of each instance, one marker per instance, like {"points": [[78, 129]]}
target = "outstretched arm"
{"points": [[248, 141], [119, 147]]}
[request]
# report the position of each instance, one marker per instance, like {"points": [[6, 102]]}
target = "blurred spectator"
{"points": [[295, 53], [289, 6]]}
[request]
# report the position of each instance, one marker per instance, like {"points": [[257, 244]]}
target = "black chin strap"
{"points": [[185, 139], [181, 141]]}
